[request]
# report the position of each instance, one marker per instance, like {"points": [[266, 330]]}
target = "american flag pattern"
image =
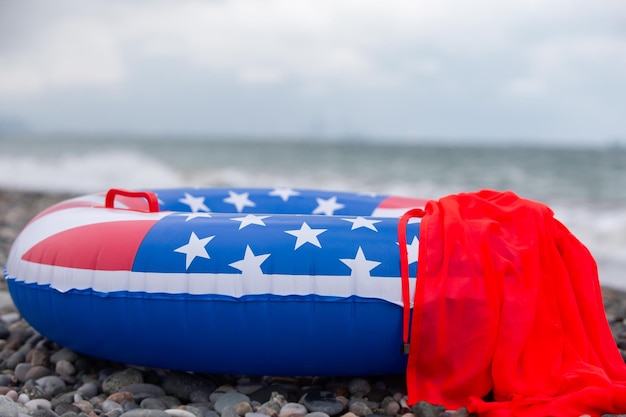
{"points": [[215, 244]]}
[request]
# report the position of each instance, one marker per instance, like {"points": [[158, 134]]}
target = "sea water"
{"points": [[586, 188]]}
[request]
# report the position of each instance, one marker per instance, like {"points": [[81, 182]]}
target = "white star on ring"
{"points": [[363, 222], [359, 263], [250, 219], [195, 203], [239, 200], [306, 235], [195, 248], [283, 192], [251, 263], [327, 207]]}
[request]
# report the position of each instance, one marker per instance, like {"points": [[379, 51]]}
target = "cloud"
{"points": [[69, 52], [398, 66], [573, 62], [366, 44]]}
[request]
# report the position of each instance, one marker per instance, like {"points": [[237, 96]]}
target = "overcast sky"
{"points": [[410, 69]]}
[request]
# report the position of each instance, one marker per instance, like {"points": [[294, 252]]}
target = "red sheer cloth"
{"points": [[508, 306]]}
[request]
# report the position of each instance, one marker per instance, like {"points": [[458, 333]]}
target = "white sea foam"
{"points": [[86, 173]]}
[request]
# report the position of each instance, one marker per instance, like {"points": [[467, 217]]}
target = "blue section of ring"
{"points": [[303, 201], [254, 335]]}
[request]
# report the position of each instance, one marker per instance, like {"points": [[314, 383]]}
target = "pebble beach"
{"points": [[41, 378]]}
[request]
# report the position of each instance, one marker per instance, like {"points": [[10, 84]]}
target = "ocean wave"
{"points": [[599, 222]]}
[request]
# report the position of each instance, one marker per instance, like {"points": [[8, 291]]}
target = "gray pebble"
{"points": [[424, 409], [292, 408], [43, 412], [65, 398], [66, 408], [39, 357], [317, 414], [4, 327], [108, 405], [6, 380], [51, 385], [31, 390], [196, 411], [200, 396], [120, 379], [176, 412], [181, 384], [170, 401], [359, 387], [21, 369], [8, 408], [242, 408], [144, 390], [64, 367], [36, 372], [392, 408], [9, 318], [360, 409], [323, 401], [15, 358], [230, 399], [228, 411], [153, 403], [88, 389], [264, 394], [64, 354], [141, 412], [130, 405], [37, 403]]}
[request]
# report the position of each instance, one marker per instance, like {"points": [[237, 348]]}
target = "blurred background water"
{"points": [[585, 187]]}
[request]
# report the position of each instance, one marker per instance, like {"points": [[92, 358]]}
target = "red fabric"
{"points": [[508, 306]]}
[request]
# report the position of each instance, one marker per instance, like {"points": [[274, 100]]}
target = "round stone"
{"points": [[39, 357], [181, 385], [88, 389], [8, 408], [117, 380], [51, 385], [142, 412], [108, 405], [21, 369], [324, 402], [359, 387], [64, 354], [36, 372], [121, 397], [176, 412], [153, 403], [292, 408], [229, 399], [37, 403], [360, 409], [66, 408], [65, 367], [242, 408], [144, 390]]}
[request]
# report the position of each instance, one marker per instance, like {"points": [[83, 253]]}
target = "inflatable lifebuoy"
{"points": [[220, 280]]}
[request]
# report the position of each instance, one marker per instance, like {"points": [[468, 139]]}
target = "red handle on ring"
{"points": [[151, 198]]}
